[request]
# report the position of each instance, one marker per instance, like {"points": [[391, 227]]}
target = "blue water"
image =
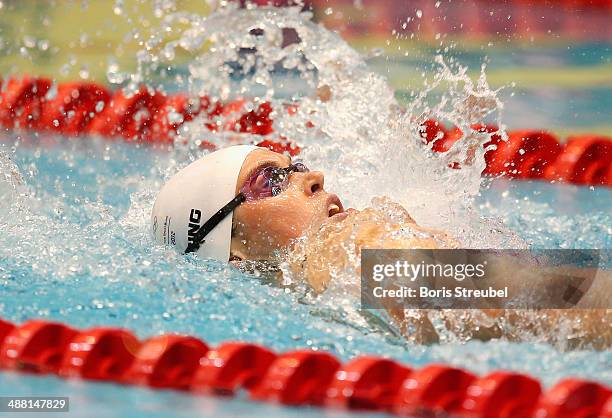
{"points": [[78, 251]]}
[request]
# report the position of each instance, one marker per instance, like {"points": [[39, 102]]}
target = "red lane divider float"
{"points": [[99, 354], [167, 361], [435, 390], [36, 346], [81, 108], [232, 366], [72, 108], [607, 409], [5, 329], [573, 398], [367, 383], [295, 378], [502, 395], [22, 101], [585, 160], [152, 117]]}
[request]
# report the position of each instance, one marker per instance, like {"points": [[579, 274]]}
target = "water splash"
{"points": [[356, 132], [12, 188], [81, 241]]}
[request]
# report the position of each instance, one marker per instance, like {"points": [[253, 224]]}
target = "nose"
{"points": [[313, 182]]}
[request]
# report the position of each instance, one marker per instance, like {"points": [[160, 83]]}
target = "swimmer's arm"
{"points": [[586, 324], [556, 286], [575, 327], [415, 325]]}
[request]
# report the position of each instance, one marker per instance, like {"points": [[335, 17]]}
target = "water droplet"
{"points": [[43, 44], [29, 41], [84, 72], [118, 8]]}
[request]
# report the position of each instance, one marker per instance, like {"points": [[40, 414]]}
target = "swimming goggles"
{"points": [[266, 182]]}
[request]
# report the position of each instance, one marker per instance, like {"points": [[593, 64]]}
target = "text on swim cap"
{"points": [[194, 224]]}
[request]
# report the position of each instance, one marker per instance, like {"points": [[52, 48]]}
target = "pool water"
{"points": [[78, 251], [75, 244]]}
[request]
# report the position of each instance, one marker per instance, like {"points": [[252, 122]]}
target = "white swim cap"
{"points": [[193, 195]]}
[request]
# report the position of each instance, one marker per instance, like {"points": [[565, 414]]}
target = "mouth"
{"points": [[334, 206]]}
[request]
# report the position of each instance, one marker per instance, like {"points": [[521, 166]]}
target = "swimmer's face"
{"points": [[264, 225]]}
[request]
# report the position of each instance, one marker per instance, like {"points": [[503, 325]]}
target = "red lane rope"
{"points": [[81, 108], [534, 154], [299, 377]]}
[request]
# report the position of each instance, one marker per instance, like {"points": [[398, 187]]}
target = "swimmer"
{"points": [[248, 203]]}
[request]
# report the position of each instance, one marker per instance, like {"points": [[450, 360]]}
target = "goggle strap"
{"points": [[222, 213], [214, 220]]}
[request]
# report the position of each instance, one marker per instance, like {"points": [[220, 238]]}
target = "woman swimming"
{"points": [[249, 203]]}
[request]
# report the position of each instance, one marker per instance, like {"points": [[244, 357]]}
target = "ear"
{"points": [[237, 249], [237, 255], [237, 252]]}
